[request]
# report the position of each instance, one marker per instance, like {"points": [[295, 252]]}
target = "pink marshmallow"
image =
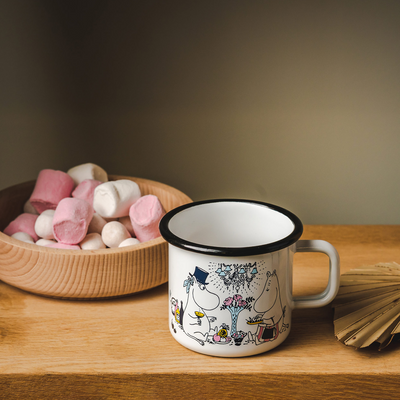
{"points": [[71, 220], [23, 223], [145, 216], [63, 246], [85, 190], [51, 187]]}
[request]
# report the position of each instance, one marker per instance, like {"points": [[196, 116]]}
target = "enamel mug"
{"points": [[230, 275]]}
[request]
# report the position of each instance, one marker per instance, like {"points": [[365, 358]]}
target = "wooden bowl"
{"points": [[83, 274]]}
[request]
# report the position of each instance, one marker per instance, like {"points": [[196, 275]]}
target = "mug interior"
{"points": [[230, 224]]}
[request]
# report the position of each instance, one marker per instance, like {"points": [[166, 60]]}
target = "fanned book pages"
{"points": [[367, 307]]}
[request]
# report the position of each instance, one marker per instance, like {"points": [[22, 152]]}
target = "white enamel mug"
{"points": [[230, 275]]}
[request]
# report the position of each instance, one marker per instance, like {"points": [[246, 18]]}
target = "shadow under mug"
{"points": [[230, 275]]}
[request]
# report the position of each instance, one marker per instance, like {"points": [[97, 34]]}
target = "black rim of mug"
{"points": [[230, 251]]}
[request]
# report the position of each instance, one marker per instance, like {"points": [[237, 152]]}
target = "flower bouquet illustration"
{"points": [[235, 305]]}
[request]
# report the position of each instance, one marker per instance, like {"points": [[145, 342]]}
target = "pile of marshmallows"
{"points": [[81, 209]]}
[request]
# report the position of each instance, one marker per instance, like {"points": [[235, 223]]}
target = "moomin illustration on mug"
{"points": [[236, 318]]}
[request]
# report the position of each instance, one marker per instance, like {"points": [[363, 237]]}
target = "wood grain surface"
{"points": [[122, 348], [83, 274]]}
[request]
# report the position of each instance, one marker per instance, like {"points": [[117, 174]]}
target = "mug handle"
{"points": [[324, 298]]}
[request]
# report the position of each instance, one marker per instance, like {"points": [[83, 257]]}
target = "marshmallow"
{"points": [[92, 241], [96, 224], [85, 190], [23, 223], [114, 233], [23, 236], [113, 199], [126, 221], [64, 246], [129, 242], [145, 216], [28, 208], [87, 171], [44, 225], [71, 220], [45, 242], [51, 186]]}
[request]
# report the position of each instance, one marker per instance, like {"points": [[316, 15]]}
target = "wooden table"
{"points": [[58, 349]]}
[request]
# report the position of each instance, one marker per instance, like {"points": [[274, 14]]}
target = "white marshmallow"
{"points": [[114, 233], [44, 225], [45, 242], [113, 199], [129, 242], [29, 209], [96, 224], [126, 221], [92, 241], [87, 171], [23, 237]]}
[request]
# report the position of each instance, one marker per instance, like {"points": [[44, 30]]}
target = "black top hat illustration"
{"points": [[200, 275]]}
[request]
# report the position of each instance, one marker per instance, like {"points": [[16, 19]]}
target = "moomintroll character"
{"points": [[195, 322], [269, 304]]}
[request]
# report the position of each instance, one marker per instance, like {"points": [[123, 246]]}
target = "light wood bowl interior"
{"points": [[83, 274]]}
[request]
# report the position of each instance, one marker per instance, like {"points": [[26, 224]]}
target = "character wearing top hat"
{"points": [[193, 317]]}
